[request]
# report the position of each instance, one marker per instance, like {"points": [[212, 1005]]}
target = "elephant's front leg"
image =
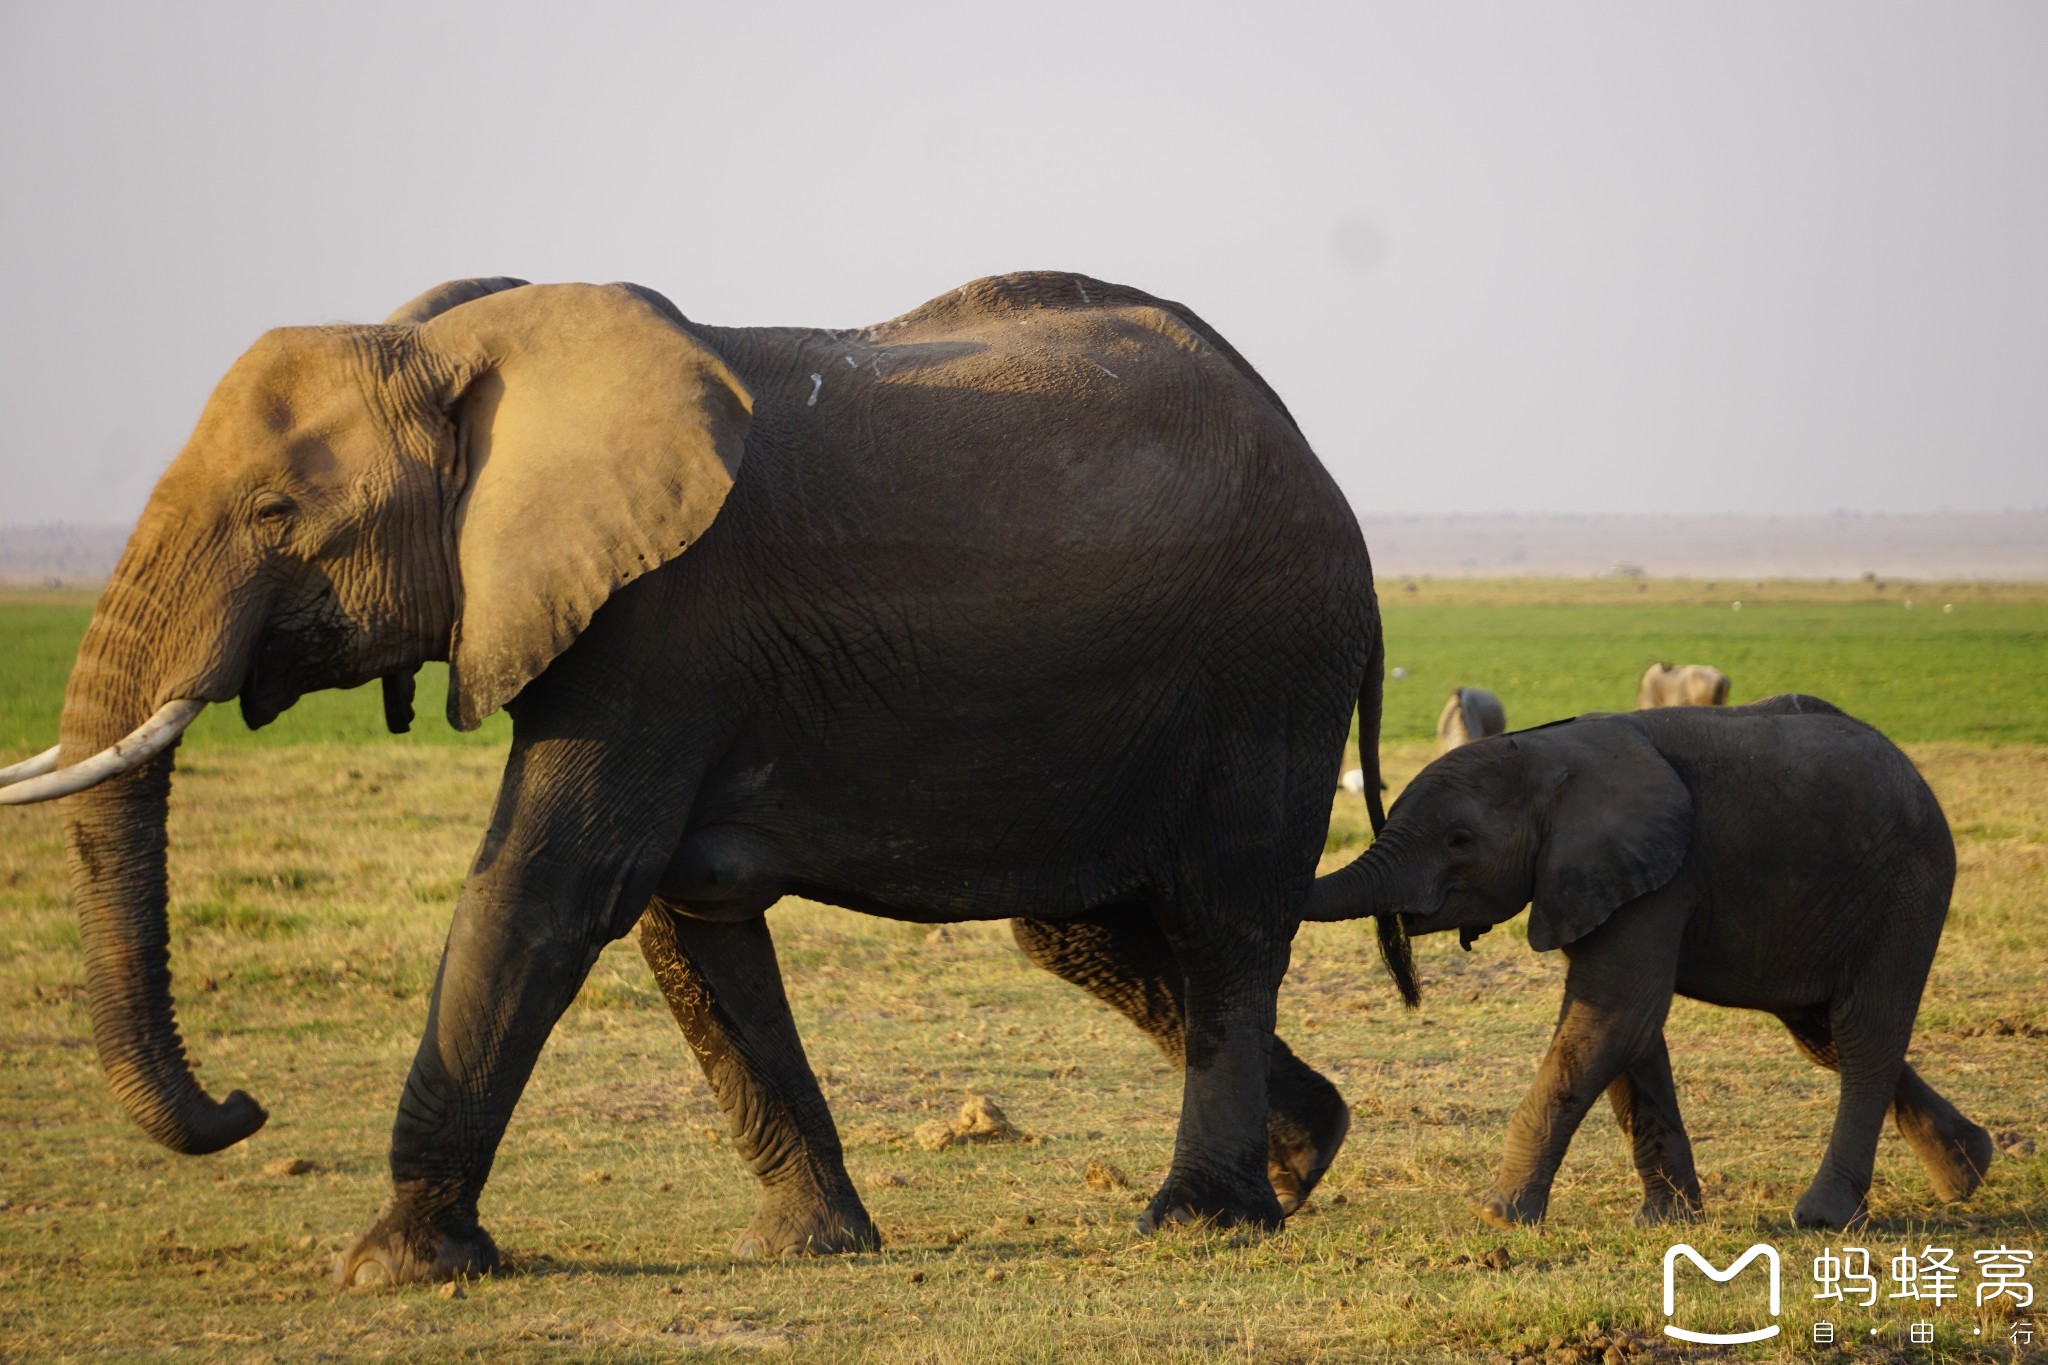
{"points": [[1645, 1101], [1617, 993], [1219, 1173], [725, 989], [562, 872]]}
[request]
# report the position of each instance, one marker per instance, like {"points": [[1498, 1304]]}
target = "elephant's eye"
{"points": [[1460, 838], [274, 509]]}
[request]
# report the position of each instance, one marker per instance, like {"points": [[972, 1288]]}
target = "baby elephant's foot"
{"points": [[1831, 1205], [403, 1248], [1956, 1154], [1669, 1199], [1184, 1201], [1297, 1156], [807, 1227], [1523, 1208], [1655, 1213]]}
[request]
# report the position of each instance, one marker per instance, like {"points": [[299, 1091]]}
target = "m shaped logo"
{"points": [[1767, 1252]]}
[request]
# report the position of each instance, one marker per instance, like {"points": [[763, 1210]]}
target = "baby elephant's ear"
{"points": [[1617, 827]]}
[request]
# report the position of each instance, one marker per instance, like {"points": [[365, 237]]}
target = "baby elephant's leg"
{"points": [[1868, 1051], [1955, 1151], [1646, 1104], [1616, 994]]}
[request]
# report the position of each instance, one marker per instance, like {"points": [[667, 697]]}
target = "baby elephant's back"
{"points": [[1808, 801]]}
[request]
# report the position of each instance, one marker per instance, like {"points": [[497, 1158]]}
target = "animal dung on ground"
{"points": [[289, 1165], [980, 1120], [1104, 1175]]}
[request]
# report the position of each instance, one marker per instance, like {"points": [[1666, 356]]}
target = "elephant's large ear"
{"points": [[1617, 827], [596, 440]]}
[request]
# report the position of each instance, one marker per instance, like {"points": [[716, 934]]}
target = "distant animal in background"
{"points": [[1682, 685], [1471, 713]]}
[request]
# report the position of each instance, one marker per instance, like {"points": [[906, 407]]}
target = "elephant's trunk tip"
{"points": [[1399, 955], [188, 1120]]}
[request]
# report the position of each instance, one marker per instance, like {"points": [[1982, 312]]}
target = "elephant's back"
{"points": [[1802, 773], [1040, 435]]}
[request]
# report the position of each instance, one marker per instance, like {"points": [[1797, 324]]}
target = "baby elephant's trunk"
{"points": [[1361, 888]]}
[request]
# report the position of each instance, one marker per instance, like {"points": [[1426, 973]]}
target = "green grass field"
{"points": [[314, 866], [1549, 648]]}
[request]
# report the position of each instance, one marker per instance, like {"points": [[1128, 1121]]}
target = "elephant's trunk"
{"points": [[1366, 886], [115, 836]]}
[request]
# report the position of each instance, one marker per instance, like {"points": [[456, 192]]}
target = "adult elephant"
{"points": [[1033, 602]]}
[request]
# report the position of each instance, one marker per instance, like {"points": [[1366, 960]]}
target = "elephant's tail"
{"points": [[1371, 692], [1329, 892]]}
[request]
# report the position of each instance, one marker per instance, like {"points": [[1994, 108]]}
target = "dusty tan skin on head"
{"points": [[469, 481]]}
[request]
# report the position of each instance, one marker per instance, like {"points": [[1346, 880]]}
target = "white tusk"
{"points": [[149, 739], [44, 762]]}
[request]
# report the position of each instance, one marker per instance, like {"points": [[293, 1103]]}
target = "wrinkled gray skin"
{"points": [[1780, 856], [1031, 603], [1469, 713]]}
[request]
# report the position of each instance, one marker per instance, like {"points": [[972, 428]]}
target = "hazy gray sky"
{"points": [[1571, 257]]}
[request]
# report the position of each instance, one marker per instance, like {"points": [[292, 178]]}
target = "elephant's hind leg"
{"points": [[1645, 1101], [1864, 1044], [1120, 957], [1955, 1151], [725, 989]]}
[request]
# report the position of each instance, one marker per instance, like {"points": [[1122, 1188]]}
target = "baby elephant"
{"points": [[1681, 685], [1471, 713], [1779, 856]]}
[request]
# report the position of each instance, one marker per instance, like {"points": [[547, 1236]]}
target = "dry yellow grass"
{"points": [[313, 886]]}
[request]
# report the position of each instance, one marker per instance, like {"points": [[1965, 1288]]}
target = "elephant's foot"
{"points": [[1187, 1200], [1956, 1155], [1830, 1204], [1656, 1213], [403, 1248], [787, 1225], [1511, 1209], [1297, 1154]]}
